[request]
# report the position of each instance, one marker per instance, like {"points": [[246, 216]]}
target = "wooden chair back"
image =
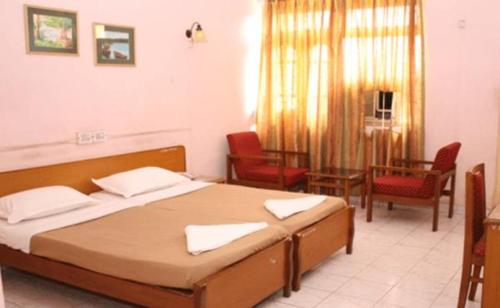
{"points": [[475, 206]]}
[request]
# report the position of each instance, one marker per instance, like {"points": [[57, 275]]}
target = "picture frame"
{"points": [[114, 45], [51, 31]]}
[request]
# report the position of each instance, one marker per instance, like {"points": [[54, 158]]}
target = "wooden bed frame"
{"points": [[264, 272], [315, 243]]}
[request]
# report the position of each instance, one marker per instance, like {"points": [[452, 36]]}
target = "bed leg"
{"points": [[199, 296], [296, 282], [287, 289], [351, 231], [297, 271]]}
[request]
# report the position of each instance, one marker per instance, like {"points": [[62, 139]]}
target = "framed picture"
{"points": [[51, 31], [114, 45]]}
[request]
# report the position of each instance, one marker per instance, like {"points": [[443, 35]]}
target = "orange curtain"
{"points": [[321, 62]]}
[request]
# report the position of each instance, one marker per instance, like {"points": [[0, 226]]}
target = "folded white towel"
{"points": [[202, 238], [282, 208]]}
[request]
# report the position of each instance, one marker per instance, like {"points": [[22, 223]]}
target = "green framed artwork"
{"points": [[51, 31], [114, 45]]}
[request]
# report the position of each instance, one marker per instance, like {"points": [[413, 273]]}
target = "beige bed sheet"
{"points": [[247, 204], [147, 245]]}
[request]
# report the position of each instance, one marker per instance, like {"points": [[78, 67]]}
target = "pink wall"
{"points": [[203, 89], [463, 82], [197, 89]]}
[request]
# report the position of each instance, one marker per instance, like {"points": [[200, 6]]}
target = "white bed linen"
{"points": [[165, 193], [201, 238], [19, 236], [282, 208]]}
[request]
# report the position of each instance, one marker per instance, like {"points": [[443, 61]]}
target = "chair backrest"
{"points": [[444, 161], [475, 206], [446, 157], [245, 143]]}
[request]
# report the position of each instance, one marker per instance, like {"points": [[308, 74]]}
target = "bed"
{"points": [[317, 233], [64, 255]]}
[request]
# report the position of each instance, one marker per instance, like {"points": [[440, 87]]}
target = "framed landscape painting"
{"points": [[51, 31], [115, 45]]}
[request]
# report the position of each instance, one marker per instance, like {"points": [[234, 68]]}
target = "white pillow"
{"points": [[40, 202], [141, 180]]}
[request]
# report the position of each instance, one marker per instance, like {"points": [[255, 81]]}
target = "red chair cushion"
{"points": [[405, 186], [269, 174], [480, 247], [245, 143]]}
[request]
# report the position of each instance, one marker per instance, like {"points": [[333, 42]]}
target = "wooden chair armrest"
{"points": [[413, 161], [286, 152], [303, 157], [373, 168], [255, 157]]}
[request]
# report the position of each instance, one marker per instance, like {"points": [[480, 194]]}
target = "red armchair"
{"points": [[422, 187], [261, 168]]}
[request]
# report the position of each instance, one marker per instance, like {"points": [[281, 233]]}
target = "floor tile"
{"points": [[408, 298], [342, 267], [324, 281], [306, 297], [364, 289], [340, 301], [382, 275], [273, 303]]}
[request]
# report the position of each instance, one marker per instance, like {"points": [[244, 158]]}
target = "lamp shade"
{"points": [[199, 36]]}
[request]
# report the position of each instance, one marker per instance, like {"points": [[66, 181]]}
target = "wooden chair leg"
{"points": [[450, 209], [473, 285], [390, 206], [452, 197], [369, 208], [464, 283], [363, 195], [435, 216], [351, 232]]}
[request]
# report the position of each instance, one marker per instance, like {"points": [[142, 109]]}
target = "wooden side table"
{"points": [[333, 178], [210, 179]]}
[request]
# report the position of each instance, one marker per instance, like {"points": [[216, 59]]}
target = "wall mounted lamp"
{"points": [[196, 33]]}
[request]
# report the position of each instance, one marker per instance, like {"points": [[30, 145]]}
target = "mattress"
{"points": [[247, 204], [147, 245]]}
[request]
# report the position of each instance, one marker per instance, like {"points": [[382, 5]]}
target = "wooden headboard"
{"points": [[77, 174]]}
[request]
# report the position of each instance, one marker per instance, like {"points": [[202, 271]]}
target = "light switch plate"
{"points": [[84, 138], [99, 136]]}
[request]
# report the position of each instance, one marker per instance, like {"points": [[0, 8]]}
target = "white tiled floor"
{"points": [[397, 262]]}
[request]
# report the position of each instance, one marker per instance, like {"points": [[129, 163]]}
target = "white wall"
{"points": [[463, 82]]}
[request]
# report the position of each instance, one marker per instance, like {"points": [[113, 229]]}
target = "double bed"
{"points": [[139, 254]]}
